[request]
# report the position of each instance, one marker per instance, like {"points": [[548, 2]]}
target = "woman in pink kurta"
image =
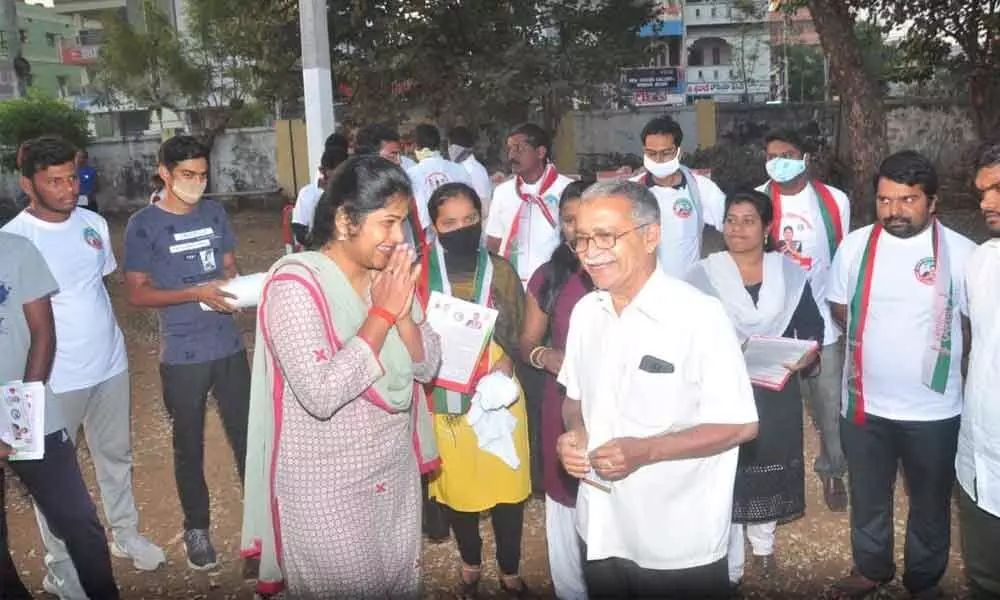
{"points": [[337, 422]]}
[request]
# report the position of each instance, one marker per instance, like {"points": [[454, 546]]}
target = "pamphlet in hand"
{"points": [[596, 481], [22, 419], [466, 329], [246, 288], [766, 358]]}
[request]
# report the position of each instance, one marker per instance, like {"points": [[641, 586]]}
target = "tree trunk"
{"points": [[984, 96], [860, 101]]}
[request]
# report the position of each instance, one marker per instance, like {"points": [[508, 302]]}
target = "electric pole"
{"points": [[317, 78]]}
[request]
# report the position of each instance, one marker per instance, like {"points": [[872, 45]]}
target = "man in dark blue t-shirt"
{"points": [[178, 254]]}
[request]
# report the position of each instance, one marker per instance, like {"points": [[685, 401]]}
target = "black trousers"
{"points": [[57, 487], [980, 548], [621, 578], [185, 394], [533, 384], [926, 450], [508, 525]]}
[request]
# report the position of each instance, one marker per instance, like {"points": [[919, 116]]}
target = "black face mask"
{"points": [[464, 241]]}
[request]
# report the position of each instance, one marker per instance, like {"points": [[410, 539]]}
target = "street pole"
{"points": [[784, 51], [317, 78], [13, 35]]}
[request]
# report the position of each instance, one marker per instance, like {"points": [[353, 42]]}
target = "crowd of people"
{"points": [[612, 383]]}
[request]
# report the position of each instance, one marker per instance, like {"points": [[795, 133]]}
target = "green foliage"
{"points": [[154, 67], [806, 77], [24, 118]]}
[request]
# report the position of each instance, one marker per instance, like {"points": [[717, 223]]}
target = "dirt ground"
{"points": [[811, 552]]}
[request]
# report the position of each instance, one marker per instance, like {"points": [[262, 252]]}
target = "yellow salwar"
{"points": [[470, 479]]}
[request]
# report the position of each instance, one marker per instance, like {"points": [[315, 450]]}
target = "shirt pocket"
{"points": [[654, 401]]}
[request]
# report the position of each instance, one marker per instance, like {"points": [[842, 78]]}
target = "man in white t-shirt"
{"points": [[431, 172], [304, 212], [978, 462], [811, 219], [657, 402], [523, 224], [460, 150], [90, 380], [688, 202], [897, 288]]}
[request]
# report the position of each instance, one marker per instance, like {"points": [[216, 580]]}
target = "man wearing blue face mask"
{"points": [[688, 202], [810, 219]]}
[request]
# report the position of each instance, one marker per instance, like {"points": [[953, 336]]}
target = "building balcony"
{"points": [[720, 12]]}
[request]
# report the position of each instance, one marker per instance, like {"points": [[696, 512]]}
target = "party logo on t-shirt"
{"points": [[683, 208], [925, 270], [435, 180], [93, 238]]}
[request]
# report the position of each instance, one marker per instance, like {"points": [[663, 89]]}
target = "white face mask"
{"points": [[189, 191], [663, 169]]}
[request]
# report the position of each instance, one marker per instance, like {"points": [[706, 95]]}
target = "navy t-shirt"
{"points": [[182, 251]]}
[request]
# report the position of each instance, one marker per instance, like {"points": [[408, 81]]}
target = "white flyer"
{"points": [[766, 358], [22, 419], [466, 329], [246, 288]]}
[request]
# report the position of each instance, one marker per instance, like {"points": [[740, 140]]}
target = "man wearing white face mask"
{"points": [[810, 220], [688, 202], [178, 252]]}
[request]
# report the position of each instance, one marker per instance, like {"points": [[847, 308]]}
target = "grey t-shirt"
{"points": [[177, 252], [24, 278]]}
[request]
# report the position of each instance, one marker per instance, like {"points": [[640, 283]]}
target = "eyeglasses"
{"points": [[603, 241], [660, 155]]}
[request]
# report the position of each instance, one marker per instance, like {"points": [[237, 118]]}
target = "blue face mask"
{"points": [[783, 170]]}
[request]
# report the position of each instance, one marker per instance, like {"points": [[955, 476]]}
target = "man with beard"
{"points": [[978, 463], [897, 289], [90, 379], [178, 254]]}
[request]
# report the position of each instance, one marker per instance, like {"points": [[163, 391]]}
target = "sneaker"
{"points": [[61, 580], [145, 555], [201, 554]]}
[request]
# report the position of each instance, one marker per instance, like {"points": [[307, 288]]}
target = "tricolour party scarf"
{"points": [[445, 401], [511, 248], [936, 364], [827, 209]]}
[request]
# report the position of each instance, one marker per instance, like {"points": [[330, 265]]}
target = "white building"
{"points": [[728, 51]]}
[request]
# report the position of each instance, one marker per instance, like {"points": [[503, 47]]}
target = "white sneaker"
{"points": [[62, 587], [145, 555]]}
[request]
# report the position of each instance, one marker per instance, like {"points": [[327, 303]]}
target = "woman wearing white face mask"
{"points": [[687, 201]]}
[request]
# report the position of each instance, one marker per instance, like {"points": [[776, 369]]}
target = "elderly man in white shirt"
{"points": [[978, 463], [657, 402]]}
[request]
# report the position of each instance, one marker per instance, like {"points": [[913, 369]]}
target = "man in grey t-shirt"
{"points": [[27, 347], [178, 252]]}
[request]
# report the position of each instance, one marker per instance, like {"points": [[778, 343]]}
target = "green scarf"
{"points": [[394, 392]]}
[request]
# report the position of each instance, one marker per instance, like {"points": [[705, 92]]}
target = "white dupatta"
{"points": [[780, 292]]}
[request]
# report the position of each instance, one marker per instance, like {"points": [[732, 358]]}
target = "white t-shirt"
{"points": [[90, 348], [537, 238], [809, 244], [900, 317], [681, 229], [674, 514], [480, 181], [978, 461], [304, 211], [406, 162], [430, 174]]}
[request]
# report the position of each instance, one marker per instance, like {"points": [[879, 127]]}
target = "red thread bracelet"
{"points": [[382, 313]]}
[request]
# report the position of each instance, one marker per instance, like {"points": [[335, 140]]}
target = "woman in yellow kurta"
{"points": [[474, 479]]}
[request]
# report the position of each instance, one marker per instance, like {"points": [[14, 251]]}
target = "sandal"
{"points": [[469, 590]]}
